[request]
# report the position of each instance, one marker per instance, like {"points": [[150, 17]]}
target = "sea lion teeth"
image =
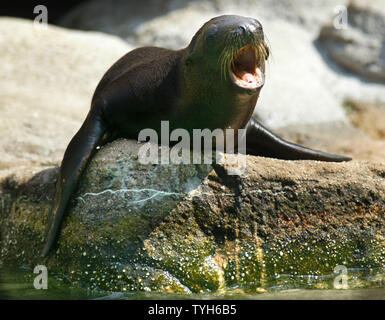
{"points": [[244, 68]]}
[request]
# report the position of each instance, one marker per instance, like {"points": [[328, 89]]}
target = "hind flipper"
{"points": [[76, 157], [262, 142]]}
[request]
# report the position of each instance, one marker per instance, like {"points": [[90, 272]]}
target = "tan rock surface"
{"points": [[184, 228], [46, 84]]}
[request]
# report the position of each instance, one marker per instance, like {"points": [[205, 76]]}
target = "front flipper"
{"points": [[262, 142], [76, 157]]}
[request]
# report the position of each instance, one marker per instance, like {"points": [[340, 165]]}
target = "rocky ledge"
{"points": [[195, 228]]}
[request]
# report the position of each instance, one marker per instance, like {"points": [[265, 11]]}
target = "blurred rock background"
{"points": [[325, 85]]}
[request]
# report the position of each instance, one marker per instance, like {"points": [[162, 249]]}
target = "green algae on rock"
{"points": [[194, 228]]}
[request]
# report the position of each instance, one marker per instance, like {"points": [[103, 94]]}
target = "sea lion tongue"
{"points": [[245, 68], [247, 77]]}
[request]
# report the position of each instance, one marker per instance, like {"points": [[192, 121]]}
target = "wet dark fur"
{"points": [[151, 84]]}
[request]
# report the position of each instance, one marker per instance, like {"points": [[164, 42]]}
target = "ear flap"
{"points": [[190, 58], [188, 61]]}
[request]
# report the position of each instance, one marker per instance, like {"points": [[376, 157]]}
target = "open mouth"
{"points": [[244, 68]]}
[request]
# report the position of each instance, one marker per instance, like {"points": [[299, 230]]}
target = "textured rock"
{"points": [[47, 80], [360, 47], [369, 117], [361, 142], [187, 228], [362, 139], [132, 20]]}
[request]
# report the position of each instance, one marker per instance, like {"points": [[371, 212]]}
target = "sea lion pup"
{"points": [[213, 83]]}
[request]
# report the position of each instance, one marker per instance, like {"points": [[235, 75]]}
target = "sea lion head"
{"points": [[233, 49]]}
